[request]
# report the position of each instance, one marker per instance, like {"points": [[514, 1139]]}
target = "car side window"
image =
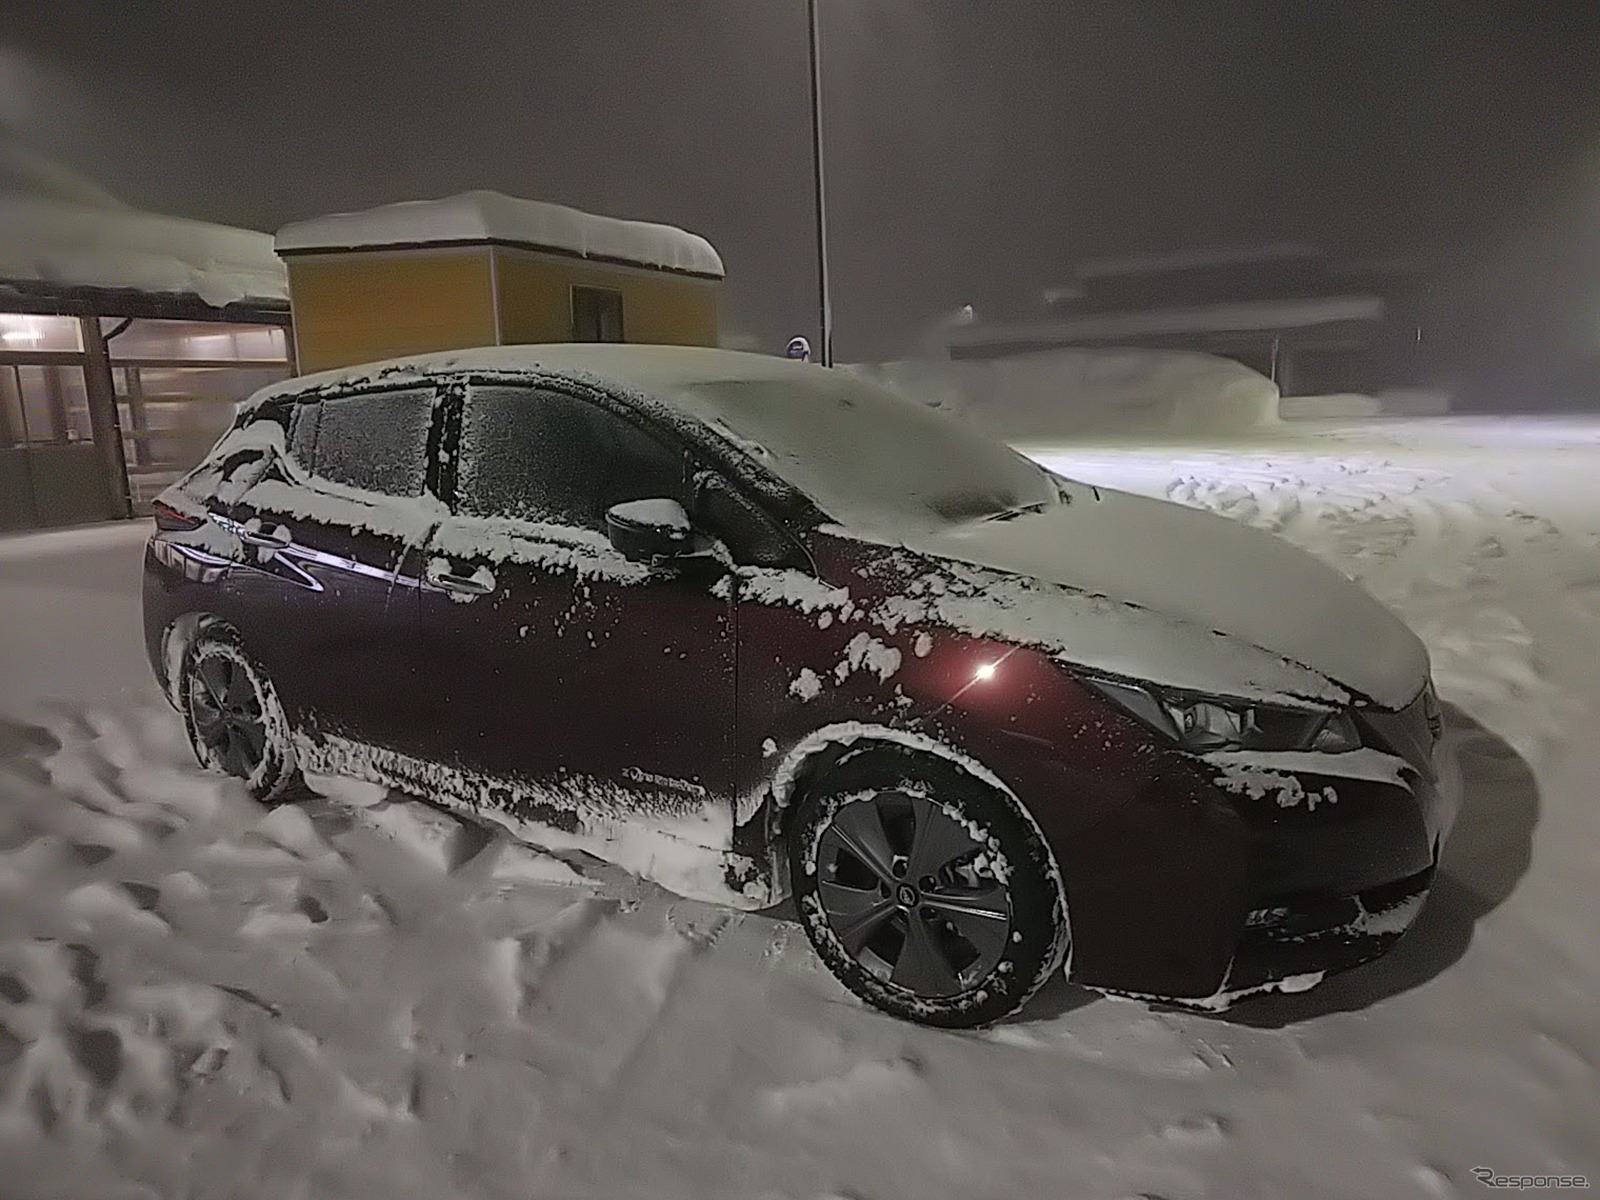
{"points": [[377, 441], [539, 455]]}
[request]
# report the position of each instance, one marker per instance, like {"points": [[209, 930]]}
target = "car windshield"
{"points": [[867, 457]]}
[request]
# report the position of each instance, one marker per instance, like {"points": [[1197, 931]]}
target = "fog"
{"points": [[974, 152]]}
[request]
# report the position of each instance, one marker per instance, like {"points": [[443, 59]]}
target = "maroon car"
{"points": [[751, 627]]}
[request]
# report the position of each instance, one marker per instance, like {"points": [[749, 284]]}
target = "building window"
{"points": [[596, 315], [177, 383], [43, 406], [22, 333]]}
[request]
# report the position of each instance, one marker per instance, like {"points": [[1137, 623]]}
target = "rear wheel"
{"points": [[233, 718], [929, 895]]}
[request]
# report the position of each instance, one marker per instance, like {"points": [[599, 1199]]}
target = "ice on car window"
{"points": [[542, 456], [865, 456], [376, 442]]}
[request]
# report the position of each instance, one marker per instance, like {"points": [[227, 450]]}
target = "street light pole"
{"points": [[825, 298]]}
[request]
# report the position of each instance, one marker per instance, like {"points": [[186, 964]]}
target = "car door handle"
{"points": [[480, 583], [269, 539]]}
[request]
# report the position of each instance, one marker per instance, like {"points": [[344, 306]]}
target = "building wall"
{"points": [[53, 485], [658, 308], [359, 308], [377, 304]]}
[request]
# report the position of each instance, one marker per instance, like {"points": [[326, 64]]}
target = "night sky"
{"points": [[976, 150]]}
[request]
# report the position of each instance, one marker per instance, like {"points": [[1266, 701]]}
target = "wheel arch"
{"points": [[181, 633], [831, 747]]}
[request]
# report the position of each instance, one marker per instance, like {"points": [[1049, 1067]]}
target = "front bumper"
{"points": [[1292, 942], [1287, 868], [1295, 943]]}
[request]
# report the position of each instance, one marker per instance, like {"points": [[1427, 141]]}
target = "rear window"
{"points": [[376, 442]]}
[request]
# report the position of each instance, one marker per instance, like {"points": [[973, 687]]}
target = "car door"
{"points": [[589, 686], [333, 530]]}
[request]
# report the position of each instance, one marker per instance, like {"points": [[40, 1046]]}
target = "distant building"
{"points": [[125, 340], [482, 269], [1313, 326]]}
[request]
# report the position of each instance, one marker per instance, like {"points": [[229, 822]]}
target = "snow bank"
{"points": [[1342, 405], [1398, 402], [1244, 316], [492, 217], [76, 245], [1058, 393]]}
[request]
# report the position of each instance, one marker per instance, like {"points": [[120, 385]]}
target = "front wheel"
{"points": [[232, 715], [928, 895]]}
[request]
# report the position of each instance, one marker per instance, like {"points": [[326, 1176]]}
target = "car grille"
{"points": [[1293, 935]]}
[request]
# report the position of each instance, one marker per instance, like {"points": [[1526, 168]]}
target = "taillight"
{"points": [[170, 520]]}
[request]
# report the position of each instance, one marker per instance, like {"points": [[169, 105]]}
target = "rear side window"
{"points": [[377, 442], [541, 456]]}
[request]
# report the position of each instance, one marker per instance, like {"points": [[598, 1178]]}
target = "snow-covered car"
{"points": [[752, 627]]}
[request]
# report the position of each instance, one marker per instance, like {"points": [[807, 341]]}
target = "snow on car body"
{"points": [[742, 624]]}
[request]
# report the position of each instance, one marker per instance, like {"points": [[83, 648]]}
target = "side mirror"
{"points": [[649, 530]]}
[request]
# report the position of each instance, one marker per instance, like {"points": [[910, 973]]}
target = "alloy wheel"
{"points": [[228, 714], [910, 893]]}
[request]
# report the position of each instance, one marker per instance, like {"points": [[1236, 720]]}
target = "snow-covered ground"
{"points": [[360, 997]]}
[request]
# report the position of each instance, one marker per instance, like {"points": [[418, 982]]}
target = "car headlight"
{"points": [[1205, 723]]}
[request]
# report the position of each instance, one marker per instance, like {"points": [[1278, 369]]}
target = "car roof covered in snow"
{"points": [[642, 368], [481, 216], [867, 456]]}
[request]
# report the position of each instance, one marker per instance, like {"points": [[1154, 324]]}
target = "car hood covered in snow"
{"points": [[1206, 570]]}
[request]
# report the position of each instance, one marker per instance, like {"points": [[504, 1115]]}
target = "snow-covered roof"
{"points": [[61, 229], [645, 368], [491, 217], [45, 241], [821, 431]]}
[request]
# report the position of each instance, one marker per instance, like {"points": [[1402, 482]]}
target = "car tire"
{"points": [[960, 948], [232, 716]]}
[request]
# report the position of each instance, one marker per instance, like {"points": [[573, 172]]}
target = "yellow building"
{"points": [[482, 269]]}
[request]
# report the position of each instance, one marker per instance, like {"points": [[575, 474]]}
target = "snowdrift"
{"points": [[1057, 393], [1399, 402]]}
